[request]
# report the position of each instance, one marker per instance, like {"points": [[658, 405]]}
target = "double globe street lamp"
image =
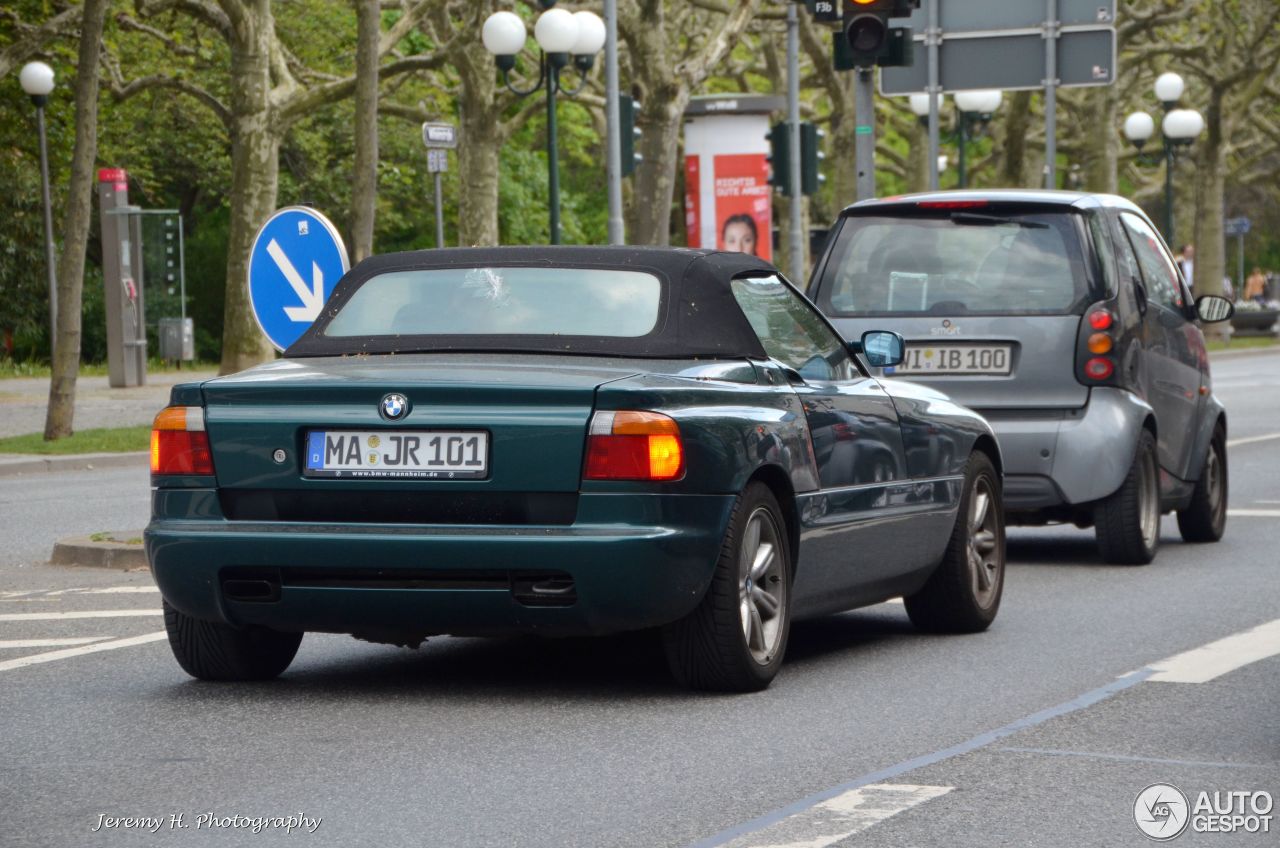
{"points": [[561, 35], [36, 79], [974, 111], [1179, 129]]}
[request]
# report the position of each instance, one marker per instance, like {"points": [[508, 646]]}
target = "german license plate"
{"points": [[421, 454], [957, 359]]}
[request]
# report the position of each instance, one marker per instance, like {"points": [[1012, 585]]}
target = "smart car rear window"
{"points": [[502, 301], [1001, 263]]}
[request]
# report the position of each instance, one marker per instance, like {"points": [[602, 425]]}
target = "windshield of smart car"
{"points": [[502, 301], [960, 263]]}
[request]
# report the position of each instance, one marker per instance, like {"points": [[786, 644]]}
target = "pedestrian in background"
{"points": [[1255, 287], [1187, 262]]}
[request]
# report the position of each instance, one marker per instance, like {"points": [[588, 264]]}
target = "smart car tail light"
{"points": [[179, 443], [629, 445], [1099, 368]]}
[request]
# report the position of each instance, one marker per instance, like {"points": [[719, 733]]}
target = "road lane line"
{"points": [[1253, 513], [50, 643], [840, 817], [1125, 758], [1270, 437], [58, 616], [1088, 699], [69, 653], [1200, 665]]}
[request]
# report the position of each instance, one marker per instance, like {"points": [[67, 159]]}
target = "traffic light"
{"points": [[780, 158], [811, 157], [866, 39], [627, 128]]}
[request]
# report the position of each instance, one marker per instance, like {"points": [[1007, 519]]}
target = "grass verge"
{"points": [[12, 369], [1246, 343], [112, 440]]}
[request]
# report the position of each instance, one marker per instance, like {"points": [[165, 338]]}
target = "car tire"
{"points": [[209, 650], [1205, 518], [1127, 523], [963, 593], [736, 638]]}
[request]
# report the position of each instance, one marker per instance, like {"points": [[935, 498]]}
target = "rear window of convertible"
{"points": [[502, 301], [980, 263]]}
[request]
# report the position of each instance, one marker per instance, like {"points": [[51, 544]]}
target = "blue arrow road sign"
{"points": [[296, 261]]}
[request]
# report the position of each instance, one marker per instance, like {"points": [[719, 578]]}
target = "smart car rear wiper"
{"points": [[979, 220]]}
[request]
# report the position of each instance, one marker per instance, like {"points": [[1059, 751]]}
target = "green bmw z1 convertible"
{"points": [[567, 441]]}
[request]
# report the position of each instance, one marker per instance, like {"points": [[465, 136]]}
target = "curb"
{"points": [[84, 551], [29, 464]]}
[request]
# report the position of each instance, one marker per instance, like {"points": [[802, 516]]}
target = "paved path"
{"points": [[23, 402]]}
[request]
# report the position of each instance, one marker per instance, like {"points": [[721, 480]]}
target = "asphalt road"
{"points": [[1039, 732]]}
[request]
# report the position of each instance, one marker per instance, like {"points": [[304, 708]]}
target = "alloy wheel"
{"points": [[761, 588], [986, 555]]}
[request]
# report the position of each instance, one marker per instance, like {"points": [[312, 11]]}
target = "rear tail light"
{"points": [[630, 445], [1099, 368], [1098, 342], [179, 443]]}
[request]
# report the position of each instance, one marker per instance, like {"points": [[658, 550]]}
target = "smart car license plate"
{"points": [[957, 359], [422, 454]]}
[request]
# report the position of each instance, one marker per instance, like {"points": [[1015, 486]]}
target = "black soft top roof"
{"points": [[697, 313]]}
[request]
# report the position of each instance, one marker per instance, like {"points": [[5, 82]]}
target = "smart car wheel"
{"points": [[736, 638], [1128, 522], [1205, 518], [211, 651], [963, 594]]}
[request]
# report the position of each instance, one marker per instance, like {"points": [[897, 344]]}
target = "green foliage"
{"points": [[114, 440]]}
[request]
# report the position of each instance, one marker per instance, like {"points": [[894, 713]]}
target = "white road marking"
{"points": [[57, 616], [69, 653], [50, 643], [1215, 659], [1253, 513], [1231, 443], [840, 817], [109, 590]]}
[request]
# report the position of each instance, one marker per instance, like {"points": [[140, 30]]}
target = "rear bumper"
{"points": [[635, 561], [1071, 456]]}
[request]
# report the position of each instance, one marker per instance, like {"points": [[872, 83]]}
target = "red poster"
{"points": [[744, 204], [692, 202]]}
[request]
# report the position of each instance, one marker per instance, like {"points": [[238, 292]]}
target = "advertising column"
{"points": [[728, 199]]}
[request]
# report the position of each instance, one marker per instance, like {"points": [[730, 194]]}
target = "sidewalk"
{"points": [[23, 402]]}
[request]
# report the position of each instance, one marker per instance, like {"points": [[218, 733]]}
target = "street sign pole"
{"points": [[439, 139], [439, 213], [933, 36], [865, 128], [1051, 95], [796, 240]]}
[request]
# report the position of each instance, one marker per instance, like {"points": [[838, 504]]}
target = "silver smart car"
{"points": [[1063, 319]]}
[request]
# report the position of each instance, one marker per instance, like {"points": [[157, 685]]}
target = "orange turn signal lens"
{"points": [[1100, 343], [631, 445]]}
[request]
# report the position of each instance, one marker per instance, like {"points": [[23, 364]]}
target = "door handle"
{"points": [[1140, 293]]}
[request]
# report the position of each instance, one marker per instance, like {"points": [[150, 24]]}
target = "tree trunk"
{"points": [[918, 158], [1102, 149], [1017, 125], [255, 169], [479, 148], [844, 141], [66, 360], [661, 118], [364, 185], [1210, 239]]}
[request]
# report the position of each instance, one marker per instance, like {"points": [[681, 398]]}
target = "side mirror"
{"points": [[1211, 308], [882, 348]]}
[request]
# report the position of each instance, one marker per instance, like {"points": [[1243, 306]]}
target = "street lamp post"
{"points": [[1178, 130], [562, 36], [36, 79], [974, 110]]}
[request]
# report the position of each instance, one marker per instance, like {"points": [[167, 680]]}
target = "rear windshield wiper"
{"points": [[976, 219]]}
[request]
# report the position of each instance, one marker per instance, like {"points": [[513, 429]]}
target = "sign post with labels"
{"points": [[297, 259], [439, 140]]}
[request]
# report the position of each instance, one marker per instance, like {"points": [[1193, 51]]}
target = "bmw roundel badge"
{"points": [[394, 407]]}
